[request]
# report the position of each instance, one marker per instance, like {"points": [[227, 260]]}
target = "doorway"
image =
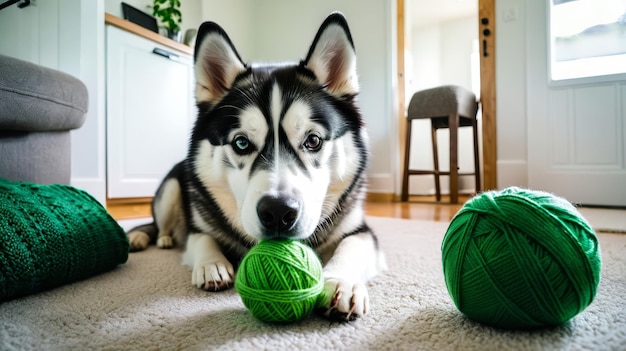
{"points": [[439, 44]]}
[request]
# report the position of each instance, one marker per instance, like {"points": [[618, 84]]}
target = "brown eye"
{"points": [[313, 142]]}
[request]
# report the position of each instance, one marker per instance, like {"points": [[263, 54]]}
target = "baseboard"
{"points": [[382, 197], [129, 208], [380, 183]]}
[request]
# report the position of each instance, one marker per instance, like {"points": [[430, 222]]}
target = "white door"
{"points": [[577, 126], [150, 112]]}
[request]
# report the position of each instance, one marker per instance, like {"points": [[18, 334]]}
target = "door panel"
{"points": [[576, 128], [149, 113], [595, 118], [487, 32]]}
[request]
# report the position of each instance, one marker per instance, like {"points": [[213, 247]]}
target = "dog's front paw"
{"points": [[165, 242], [347, 301], [213, 275], [138, 240]]}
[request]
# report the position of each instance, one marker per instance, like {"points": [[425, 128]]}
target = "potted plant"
{"points": [[168, 12]]}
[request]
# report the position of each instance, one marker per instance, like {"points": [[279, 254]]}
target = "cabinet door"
{"points": [[150, 111]]}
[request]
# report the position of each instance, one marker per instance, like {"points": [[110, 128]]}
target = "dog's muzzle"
{"points": [[279, 215]]}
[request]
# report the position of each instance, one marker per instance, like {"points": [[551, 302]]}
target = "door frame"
{"points": [[487, 35]]}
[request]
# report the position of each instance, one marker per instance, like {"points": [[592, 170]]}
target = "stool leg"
{"points": [[476, 157], [433, 137], [407, 152], [453, 122]]}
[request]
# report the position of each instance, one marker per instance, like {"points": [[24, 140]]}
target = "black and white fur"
{"points": [[276, 151]]}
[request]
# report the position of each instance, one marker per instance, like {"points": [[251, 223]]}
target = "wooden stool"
{"points": [[447, 107]]}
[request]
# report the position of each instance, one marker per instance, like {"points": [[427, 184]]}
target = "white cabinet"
{"points": [[150, 112]]}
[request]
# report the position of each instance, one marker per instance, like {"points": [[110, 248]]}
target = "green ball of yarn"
{"points": [[280, 280], [520, 259]]}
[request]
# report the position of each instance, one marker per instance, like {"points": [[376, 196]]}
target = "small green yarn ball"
{"points": [[280, 280], [520, 259]]}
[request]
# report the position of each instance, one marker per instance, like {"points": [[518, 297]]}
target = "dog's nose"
{"points": [[278, 214]]}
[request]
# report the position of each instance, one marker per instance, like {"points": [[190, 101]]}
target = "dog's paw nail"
{"points": [[216, 286], [349, 300], [336, 298], [213, 276]]}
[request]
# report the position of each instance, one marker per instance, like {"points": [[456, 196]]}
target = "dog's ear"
{"points": [[216, 62], [332, 57]]}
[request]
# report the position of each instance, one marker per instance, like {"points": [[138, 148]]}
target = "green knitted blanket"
{"points": [[52, 235]]}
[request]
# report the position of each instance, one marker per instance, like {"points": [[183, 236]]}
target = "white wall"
{"points": [[88, 142], [423, 60], [35, 34], [439, 54], [511, 127], [457, 38], [237, 19], [283, 30]]}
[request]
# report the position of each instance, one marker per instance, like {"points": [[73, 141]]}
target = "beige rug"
{"points": [[605, 219], [149, 304]]}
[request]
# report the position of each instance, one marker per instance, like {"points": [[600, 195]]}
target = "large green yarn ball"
{"points": [[520, 259], [280, 280]]}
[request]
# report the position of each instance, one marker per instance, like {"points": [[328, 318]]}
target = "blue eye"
{"points": [[241, 145]]}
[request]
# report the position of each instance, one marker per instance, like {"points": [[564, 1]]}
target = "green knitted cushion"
{"points": [[52, 235]]}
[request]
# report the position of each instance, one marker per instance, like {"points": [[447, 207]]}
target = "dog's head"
{"points": [[278, 147]]}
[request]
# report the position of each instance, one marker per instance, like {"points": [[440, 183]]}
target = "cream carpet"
{"points": [[149, 304], [605, 220]]}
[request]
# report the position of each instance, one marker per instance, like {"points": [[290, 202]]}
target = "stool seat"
{"points": [[447, 107]]}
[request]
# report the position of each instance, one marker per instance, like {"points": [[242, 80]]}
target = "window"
{"points": [[587, 38]]}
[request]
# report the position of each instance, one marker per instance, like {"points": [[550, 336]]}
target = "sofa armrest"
{"points": [[36, 99]]}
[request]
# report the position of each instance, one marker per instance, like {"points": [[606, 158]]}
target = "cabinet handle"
{"points": [[167, 54]]}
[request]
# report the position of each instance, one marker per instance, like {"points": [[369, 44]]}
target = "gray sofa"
{"points": [[38, 108]]}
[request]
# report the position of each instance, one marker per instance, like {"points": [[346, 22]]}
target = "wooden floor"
{"points": [[418, 207]]}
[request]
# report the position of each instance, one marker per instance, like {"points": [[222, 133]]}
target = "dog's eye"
{"points": [[313, 142], [241, 145]]}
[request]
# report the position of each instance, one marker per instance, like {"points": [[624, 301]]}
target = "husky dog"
{"points": [[277, 151]]}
